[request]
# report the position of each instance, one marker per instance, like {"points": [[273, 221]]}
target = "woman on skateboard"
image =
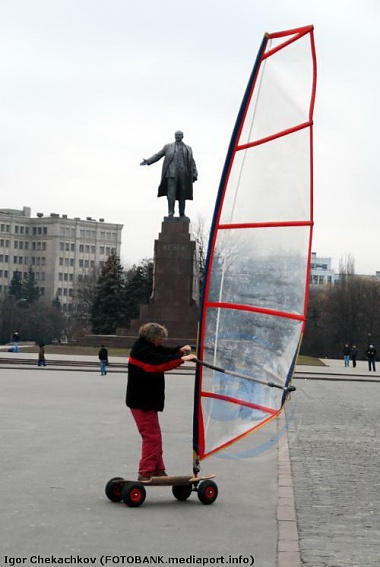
{"points": [[145, 397]]}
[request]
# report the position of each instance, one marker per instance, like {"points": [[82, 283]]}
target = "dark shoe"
{"points": [[143, 477]]}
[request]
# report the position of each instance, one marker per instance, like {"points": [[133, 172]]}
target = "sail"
{"points": [[258, 263]]}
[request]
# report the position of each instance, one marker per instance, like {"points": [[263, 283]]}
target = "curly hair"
{"points": [[153, 331]]}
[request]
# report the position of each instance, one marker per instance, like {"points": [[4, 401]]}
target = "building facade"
{"points": [[61, 251], [321, 272]]}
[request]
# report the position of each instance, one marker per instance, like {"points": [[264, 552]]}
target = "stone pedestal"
{"points": [[174, 299]]}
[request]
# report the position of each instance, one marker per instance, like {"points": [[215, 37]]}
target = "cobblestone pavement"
{"points": [[334, 444]]}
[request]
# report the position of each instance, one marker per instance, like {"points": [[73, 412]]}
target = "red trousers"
{"points": [[151, 461]]}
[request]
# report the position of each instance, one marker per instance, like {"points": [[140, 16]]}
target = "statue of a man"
{"points": [[178, 173]]}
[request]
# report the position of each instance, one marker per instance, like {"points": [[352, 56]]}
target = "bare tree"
{"points": [[79, 319], [200, 231]]}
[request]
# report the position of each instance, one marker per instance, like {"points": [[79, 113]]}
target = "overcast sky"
{"points": [[90, 87]]}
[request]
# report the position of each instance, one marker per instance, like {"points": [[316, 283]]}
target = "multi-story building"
{"points": [[321, 271], [60, 250]]}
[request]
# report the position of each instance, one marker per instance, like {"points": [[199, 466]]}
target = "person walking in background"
{"points": [[41, 355], [354, 355], [103, 358], [371, 357], [16, 338], [346, 354]]}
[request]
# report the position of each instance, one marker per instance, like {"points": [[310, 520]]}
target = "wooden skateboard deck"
{"points": [[173, 480]]}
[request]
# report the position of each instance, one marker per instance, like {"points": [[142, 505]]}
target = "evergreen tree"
{"points": [[29, 288], [109, 305], [138, 288], [15, 287]]}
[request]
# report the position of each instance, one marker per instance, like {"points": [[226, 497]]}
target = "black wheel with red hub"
{"points": [[134, 494], [114, 489], [207, 491]]}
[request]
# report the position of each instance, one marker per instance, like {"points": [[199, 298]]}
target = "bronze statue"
{"points": [[178, 173]]}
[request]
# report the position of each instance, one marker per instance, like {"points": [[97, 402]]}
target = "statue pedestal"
{"points": [[174, 299]]}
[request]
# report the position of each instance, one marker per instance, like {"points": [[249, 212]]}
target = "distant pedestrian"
{"points": [[41, 355], [371, 357], [354, 355], [346, 354], [16, 338], [103, 358]]}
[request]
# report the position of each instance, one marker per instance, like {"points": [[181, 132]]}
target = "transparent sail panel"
{"points": [[227, 421], [283, 92], [258, 345], [261, 267], [270, 182]]}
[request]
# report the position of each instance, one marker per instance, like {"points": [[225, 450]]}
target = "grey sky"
{"points": [[90, 87]]}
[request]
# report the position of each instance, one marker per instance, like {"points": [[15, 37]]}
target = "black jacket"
{"points": [[146, 366], [103, 354]]}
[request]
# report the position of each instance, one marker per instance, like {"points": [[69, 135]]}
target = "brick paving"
{"points": [[334, 447]]}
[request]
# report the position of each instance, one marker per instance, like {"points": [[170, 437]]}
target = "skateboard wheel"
{"points": [[114, 489], [207, 492], [182, 491], [133, 494]]}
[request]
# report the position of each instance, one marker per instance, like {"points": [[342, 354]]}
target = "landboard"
{"points": [[133, 492]]}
